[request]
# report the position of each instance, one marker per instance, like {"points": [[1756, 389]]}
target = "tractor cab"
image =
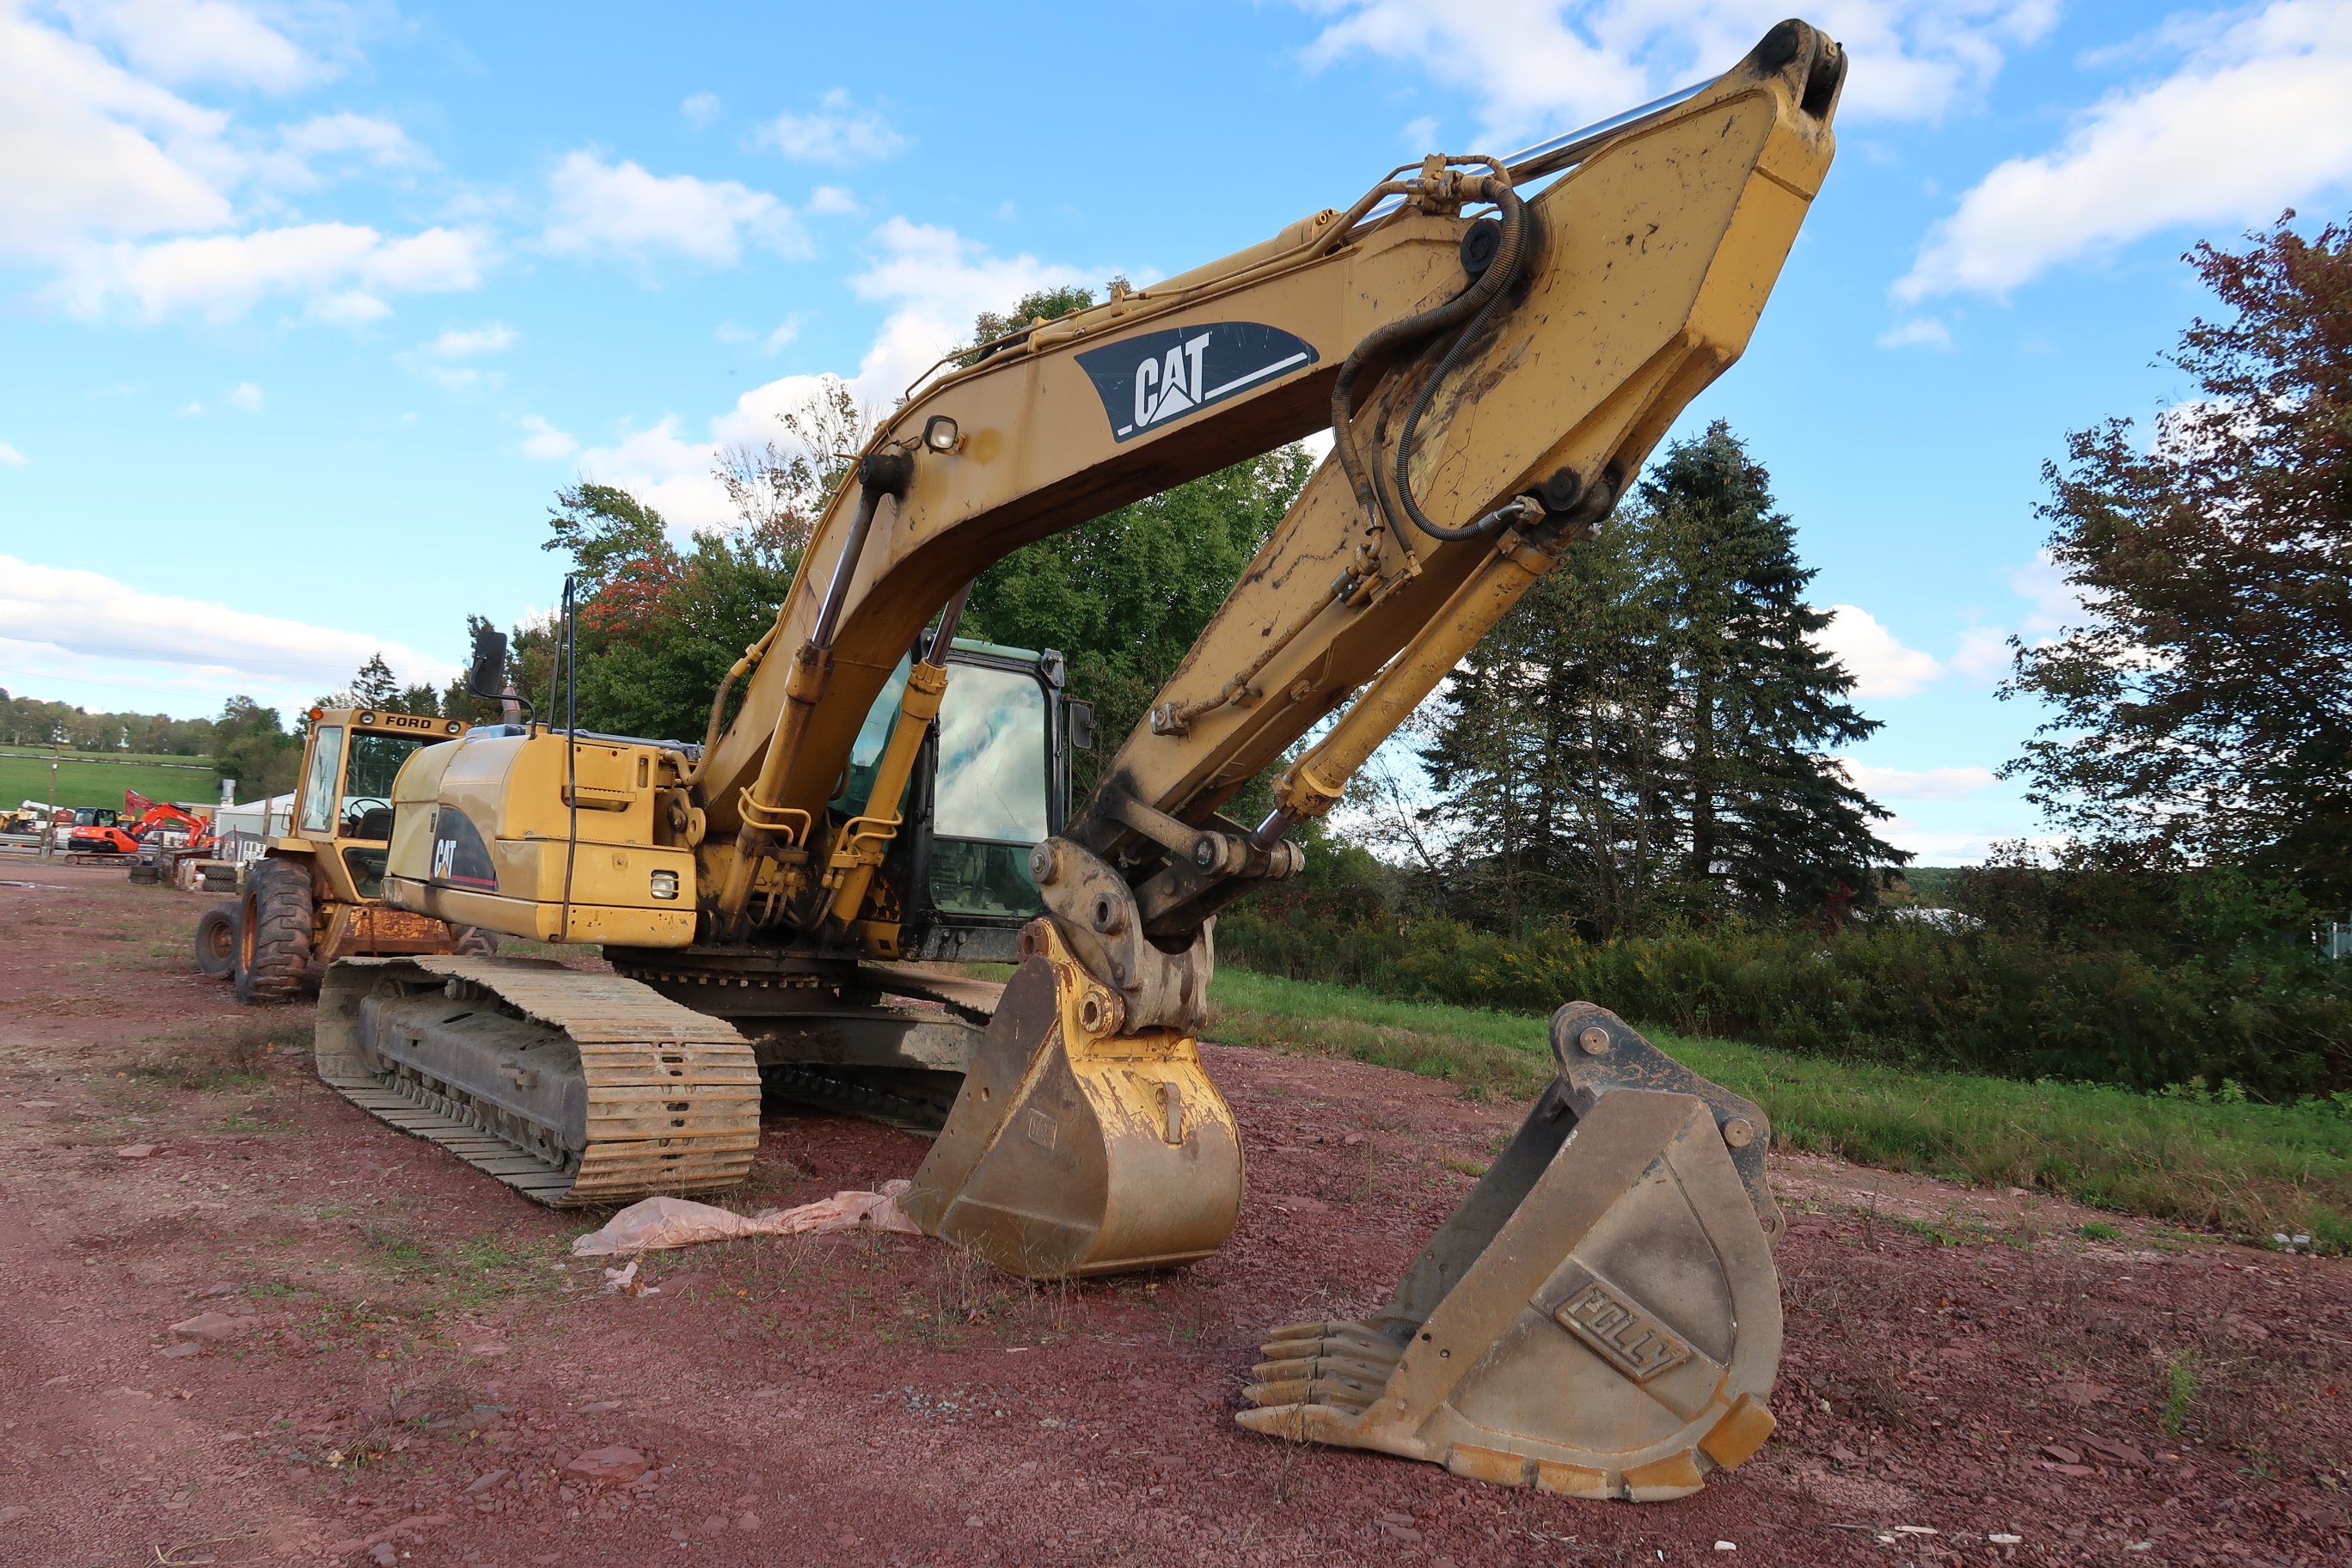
{"points": [[315, 895], [343, 805]]}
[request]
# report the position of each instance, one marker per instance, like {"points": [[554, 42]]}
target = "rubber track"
{"points": [[673, 1094]]}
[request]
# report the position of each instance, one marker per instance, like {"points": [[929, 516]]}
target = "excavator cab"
{"points": [[991, 783]]}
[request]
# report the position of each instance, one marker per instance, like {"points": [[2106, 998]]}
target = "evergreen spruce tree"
{"points": [[1641, 740], [1771, 826], [375, 686]]}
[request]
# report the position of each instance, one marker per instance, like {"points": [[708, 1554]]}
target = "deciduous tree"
{"points": [[2201, 714]]}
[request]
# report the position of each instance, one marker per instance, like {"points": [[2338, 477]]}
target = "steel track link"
{"points": [[673, 1094]]}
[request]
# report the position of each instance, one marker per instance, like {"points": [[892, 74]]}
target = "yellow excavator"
{"points": [[1496, 345]]}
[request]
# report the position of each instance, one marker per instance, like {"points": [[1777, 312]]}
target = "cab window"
{"points": [[367, 782], [990, 804], [865, 752], [320, 794], [992, 777]]}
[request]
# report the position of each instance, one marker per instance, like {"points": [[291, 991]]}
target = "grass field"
{"points": [[87, 779], [2247, 1170]]}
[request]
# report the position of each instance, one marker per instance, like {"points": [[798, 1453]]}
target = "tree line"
{"points": [[31, 721]]}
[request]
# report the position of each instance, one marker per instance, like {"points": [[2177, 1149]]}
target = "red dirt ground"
{"points": [[414, 1359]]}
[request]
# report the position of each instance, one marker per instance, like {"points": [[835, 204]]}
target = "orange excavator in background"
{"points": [[145, 818]]}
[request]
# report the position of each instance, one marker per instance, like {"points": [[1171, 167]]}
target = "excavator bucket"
{"points": [[1599, 1319], [1075, 1147]]}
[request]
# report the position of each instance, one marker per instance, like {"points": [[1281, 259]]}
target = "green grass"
{"points": [[2247, 1169], [99, 782]]}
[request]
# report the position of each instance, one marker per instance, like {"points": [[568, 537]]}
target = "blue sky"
{"points": [[306, 309]]}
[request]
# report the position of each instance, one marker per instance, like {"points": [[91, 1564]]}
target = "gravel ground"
{"points": [[385, 1358]]}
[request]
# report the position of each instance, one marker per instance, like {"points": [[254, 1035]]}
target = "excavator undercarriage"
{"points": [[1600, 1317]]}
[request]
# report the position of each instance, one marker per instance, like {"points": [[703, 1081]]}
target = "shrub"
{"points": [[2272, 1017]]}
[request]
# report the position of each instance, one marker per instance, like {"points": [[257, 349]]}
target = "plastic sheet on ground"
{"points": [[653, 1224]]}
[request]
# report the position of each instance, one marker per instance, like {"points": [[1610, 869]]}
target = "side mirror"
{"points": [[487, 679], [1082, 726]]}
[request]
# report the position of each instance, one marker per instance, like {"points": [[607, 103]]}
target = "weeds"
{"points": [[2099, 1230], [2218, 1162], [232, 1053], [2180, 1391]]}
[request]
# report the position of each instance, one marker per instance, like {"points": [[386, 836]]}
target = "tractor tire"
{"points": [[217, 941], [473, 941], [273, 935]]}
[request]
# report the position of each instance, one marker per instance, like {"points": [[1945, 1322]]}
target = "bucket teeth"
{"points": [[1324, 1387], [1314, 1339], [1302, 1366], [1598, 1319], [1362, 1343]]}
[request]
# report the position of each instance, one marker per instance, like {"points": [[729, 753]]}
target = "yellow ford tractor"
{"points": [[316, 894]]}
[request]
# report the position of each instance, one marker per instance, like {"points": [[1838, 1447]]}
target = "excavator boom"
{"points": [[1496, 345]]}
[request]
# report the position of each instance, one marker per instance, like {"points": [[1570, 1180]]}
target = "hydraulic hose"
{"points": [[1483, 291], [1514, 231]]}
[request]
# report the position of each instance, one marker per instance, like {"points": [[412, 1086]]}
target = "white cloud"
{"points": [[620, 209], [836, 134], [10, 457], [64, 623], [2057, 603], [244, 396], [104, 160], [545, 442], [1983, 653], [1964, 846], [1933, 784], [1918, 332], [1882, 666], [378, 143], [701, 109], [489, 338], [945, 280], [667, 473], [2256, 120], [672, 474], [832, 200], [189, 41], [940, 281], [787, 333], [343, 268], [93, 151], [1534, 66]]}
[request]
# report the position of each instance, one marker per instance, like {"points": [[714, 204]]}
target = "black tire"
{"points": [[473, 941], [273, 932], [217, 941]]}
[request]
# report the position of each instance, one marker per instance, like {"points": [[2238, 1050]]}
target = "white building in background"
{"points": [[245, 830]]}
